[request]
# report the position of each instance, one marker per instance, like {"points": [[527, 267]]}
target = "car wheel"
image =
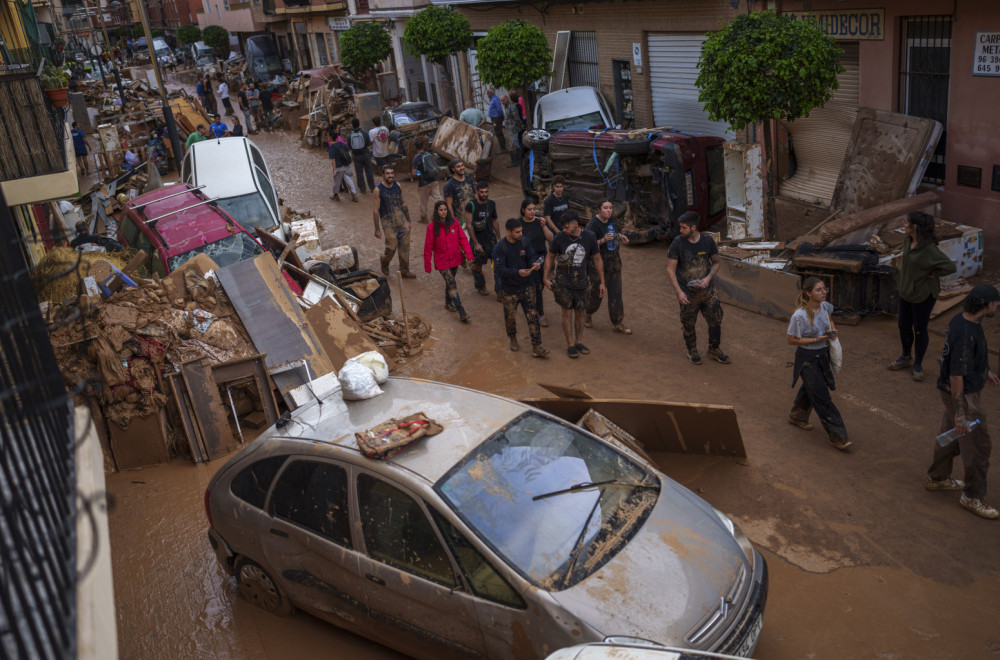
{"points": [[537, 138], [632, 146], [258, 588]]}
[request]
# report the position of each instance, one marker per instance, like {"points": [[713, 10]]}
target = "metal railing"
{"points": [[38, 576]]}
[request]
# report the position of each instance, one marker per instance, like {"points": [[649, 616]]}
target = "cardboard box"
{"points": [[965, 250]]}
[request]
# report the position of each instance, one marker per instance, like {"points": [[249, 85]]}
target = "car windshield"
{"points": [[225, 252], [400, 117], [590, 120], [541, 491], [250, 210]]}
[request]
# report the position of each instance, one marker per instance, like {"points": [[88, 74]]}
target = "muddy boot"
{"points": [[354, 197]]}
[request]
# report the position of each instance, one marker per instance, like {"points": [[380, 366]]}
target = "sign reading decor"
{"points": [[848, 24], [340, 23], [986, 57]]}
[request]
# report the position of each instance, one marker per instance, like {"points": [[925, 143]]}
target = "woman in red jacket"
{"points": [[448, 246]]}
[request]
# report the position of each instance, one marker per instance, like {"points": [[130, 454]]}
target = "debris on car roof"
{"points": [[393, 436]]}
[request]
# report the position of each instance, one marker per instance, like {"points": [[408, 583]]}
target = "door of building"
{"points": [[673, 68], [820, 140]]}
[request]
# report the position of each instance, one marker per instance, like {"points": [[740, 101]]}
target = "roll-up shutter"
{"points": [[820, 140], [673, 68]]}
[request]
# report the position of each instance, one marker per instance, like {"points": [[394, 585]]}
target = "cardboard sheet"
{"points": [[340, 336], [762, 290]]}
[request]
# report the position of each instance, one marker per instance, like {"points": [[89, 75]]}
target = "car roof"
{"points": [[183, 228], [568, 102], [230, 158], [412, 105], [467, 416]]}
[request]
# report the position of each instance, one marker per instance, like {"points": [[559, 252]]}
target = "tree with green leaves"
{"points": [[363, 46], [215, 36], [188, 34], [763, 66], [513, 55], [437, 32]]}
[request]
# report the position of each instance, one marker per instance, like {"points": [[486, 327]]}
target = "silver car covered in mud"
{"points": [[510, 534]]}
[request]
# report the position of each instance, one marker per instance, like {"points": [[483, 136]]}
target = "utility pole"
{"points": [[168, 115]]}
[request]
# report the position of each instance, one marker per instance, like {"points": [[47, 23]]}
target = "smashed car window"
{"points": [[539, 490], [225, 252], [591, 120], [249, 210]]}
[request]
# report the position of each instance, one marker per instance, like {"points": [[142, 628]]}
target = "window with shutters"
{"points": [[925, 60], [582, 62]]}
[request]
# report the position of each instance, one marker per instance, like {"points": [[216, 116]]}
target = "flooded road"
{"points": [[864, 563]]}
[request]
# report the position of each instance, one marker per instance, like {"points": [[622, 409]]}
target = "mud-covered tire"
{"points": [[258, 587], [632, 146], [537, 138]]}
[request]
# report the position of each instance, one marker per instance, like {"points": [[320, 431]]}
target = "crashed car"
{"points": [[511, 533], [174, 223], [633, 649], [410, 113], [652, 177], [572, 108]]}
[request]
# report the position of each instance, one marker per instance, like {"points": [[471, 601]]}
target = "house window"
{"points": [[925, 60], [582, 62]]}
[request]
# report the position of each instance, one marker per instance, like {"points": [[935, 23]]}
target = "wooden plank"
{"points": [[207, 409], [762, 290], [341, 337], [142, 444], [565, 392], [661, 426], [188, 424]]}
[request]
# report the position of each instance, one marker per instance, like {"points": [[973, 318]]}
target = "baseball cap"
{"points": [[985, 292]]}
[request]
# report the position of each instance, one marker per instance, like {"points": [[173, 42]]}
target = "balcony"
{"points": [[36, 149]]}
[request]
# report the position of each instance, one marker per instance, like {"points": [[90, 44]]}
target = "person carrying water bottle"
{"points": [[609, 241]]}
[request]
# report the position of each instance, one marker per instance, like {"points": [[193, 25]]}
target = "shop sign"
{"points": [[848, 24], [986, 57], [340, 23]]}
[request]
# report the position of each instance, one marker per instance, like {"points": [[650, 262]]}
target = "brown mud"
{"points": [[863, 562]]}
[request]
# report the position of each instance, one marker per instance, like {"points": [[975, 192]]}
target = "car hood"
{"points": [[667, 579]]}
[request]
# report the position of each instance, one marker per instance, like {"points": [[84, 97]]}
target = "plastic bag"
{"points": [[836, 355], [374, 361], [357, 382]]}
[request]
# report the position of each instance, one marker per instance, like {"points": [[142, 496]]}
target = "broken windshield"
{"points": [[224, 252], [495, 490], [249, 210]]}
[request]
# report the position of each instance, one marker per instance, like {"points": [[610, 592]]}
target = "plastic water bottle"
{"points": [[611, 243], [951, 434]]}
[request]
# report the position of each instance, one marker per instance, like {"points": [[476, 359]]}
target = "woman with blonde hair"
{"points": [[810, 330]]}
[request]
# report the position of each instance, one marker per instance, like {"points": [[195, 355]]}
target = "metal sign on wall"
{"points": [[848, 24], [986, 58], [340, 23]]}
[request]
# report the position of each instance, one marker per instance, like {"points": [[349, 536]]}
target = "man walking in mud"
{"points": [[481, 216], [515, 262], [692, 262], [459, 190], [572, 251], [391, 216]]}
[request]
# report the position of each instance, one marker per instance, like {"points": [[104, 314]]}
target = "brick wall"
{"points": [[618, 25]]}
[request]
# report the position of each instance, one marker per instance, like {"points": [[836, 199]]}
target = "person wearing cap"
{"points": [[919, 283], [964, 373], [459, 190]]}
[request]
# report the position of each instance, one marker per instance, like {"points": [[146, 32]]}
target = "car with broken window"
{"points": [[511, 533], [651, 176], [572, 108], [174, 223]]}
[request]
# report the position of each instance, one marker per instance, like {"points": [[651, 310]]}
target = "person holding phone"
{"points": [[517, 263], [810, 330]]}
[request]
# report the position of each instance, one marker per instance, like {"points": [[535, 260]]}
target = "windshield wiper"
{"points": [[578, 545], [586, 485]]}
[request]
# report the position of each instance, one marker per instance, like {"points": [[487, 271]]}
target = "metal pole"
{"points": [[107, 45], [168, 115]]}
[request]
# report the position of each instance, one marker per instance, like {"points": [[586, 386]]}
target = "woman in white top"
{"points": [[810, 329]]}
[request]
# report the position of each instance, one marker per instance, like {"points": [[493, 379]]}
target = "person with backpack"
{"points": [[379, 138], [341, 157], [428, 172], [359, 142]]}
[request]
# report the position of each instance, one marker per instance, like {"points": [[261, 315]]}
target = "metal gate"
{"points": [[673, 68], [581, 62], [924, 65]]}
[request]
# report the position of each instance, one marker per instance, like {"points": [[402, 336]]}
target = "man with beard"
{"points": [[571, 252], [481, 216]]}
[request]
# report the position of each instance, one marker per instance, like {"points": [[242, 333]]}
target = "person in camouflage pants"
{"points": [[515, 262]]}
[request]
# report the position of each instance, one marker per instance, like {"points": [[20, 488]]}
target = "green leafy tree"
{"points": [[436, 32], [765, 66], [215, 36], [513, 55], [363, 46], [188, 34]]}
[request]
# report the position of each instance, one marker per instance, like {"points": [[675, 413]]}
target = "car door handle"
{"points": [[278, 532], [376, 579]]}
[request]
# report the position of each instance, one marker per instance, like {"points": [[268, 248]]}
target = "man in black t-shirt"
{"points": [[481, 217], [340, 156], [610, 242], [964, 373], [515, 261], [570, 252], [555, 204], [692, 262], [459, 190]]}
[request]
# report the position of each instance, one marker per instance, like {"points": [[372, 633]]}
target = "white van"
{"points": [[161, 48], [232, 171]]}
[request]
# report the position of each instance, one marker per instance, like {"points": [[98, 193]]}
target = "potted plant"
{"points": [[56, 83]]}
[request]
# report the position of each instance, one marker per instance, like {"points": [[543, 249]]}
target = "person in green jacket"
{"points": [[199, 135], [919, 284]]}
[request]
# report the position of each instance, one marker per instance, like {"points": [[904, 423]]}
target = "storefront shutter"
{"points": [[673, 68], [820, 140]]}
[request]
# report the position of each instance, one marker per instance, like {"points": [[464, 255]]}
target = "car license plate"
{"points": [[750, 643]]}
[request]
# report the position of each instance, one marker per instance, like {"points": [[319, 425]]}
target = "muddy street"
{"points": [[863, 561]]}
